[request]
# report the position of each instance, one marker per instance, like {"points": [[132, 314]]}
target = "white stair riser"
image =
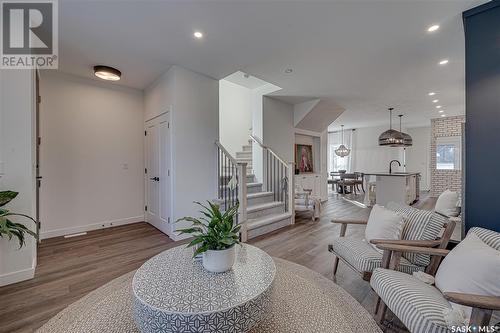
{"points": [[254, 188], [265, 212], [250, 189], [250, 178], [247, 148], [262, 230], [259, 200], [244, 155]]}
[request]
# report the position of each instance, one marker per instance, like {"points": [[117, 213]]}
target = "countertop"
{"points": [[394, 174]]}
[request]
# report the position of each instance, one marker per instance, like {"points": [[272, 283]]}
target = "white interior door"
{"points": [[158, 173]]}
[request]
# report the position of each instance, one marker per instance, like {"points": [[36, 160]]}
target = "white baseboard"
{"points": [[90, 227], [18, 276]]}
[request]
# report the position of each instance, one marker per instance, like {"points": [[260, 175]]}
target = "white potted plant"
{"points": [[215, 236]]}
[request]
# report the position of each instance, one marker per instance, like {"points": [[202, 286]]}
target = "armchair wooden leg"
{"points": [[381, 311], [335, 266], [377, 305], [480, 317]]}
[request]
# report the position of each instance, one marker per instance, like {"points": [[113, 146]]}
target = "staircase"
{"points": [[267, 205]]}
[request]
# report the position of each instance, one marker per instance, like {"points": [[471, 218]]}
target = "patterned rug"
{"points": [[302, 301]]}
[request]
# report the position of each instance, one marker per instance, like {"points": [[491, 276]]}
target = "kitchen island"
{"points": [[400, 187]]}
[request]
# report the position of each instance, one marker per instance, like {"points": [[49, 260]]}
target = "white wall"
{"points": [[235, 115], [91, 156], [17, 157], [418, 155], [278, 130], [368, 156], [193, 99]]}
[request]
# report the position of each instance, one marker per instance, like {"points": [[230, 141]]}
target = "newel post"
{"points": [[291, 189], [242, 199]]}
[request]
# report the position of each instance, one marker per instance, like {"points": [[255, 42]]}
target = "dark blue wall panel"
{"points": [[482, 127]]}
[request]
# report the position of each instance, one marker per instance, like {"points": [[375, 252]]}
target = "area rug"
{"points": [[302, 301]]}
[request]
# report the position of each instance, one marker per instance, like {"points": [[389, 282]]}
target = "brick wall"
{"points": [[445, 179]]}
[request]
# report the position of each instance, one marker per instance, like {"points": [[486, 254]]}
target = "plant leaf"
{"points": [[6, 197]]}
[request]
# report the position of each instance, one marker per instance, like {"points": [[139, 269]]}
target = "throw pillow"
{"points": [[383, 224], [472, 267], [448, 204]]}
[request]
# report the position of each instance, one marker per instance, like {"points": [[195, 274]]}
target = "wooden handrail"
{"points": [[259, 142], [231, 158]]}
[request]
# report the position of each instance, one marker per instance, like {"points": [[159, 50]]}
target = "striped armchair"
{"points": [[422, 228], [421, 307]]}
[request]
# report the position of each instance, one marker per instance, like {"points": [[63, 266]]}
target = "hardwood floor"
{"points": [[70, 268]]}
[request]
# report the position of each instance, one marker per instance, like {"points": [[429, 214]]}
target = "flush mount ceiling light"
{"points": [[433, 28], [435, 101], [432, 93], [444, 62], [107, 73], [391, 138], [288, 70], [198, 34], [342, 150]]}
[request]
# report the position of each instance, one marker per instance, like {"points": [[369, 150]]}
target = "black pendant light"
{"points": [[391, 138], [407, 140], [342, 150]]}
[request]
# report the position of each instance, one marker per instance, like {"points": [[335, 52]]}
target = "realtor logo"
{"points": [[29, 34]]}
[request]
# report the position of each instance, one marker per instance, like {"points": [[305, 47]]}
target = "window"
{"points": [[448, 153], [337, 162]]}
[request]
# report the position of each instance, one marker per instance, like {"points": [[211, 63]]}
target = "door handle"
{"points": [[156, 179]]}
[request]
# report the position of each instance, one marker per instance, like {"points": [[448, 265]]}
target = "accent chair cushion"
{"points": [[419, 306], [363, 257], [383, 224], [447, 204], [472, 267], [419, 225]]}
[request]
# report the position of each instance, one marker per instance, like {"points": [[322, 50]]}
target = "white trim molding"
{"points": [[90, 227], [18, 276]]}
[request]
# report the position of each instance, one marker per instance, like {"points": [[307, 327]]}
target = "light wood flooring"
{"points": [[70, 268]]}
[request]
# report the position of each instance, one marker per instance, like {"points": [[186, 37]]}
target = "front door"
{"points": [[158, 172]]}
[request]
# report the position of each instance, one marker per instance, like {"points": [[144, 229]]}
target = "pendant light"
{"points": [[391, 138], [408, 141], [342, 150]]}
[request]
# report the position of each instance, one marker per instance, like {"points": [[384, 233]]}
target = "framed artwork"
{"points": [[304, 158]]}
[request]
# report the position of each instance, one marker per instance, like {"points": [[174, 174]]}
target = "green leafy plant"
{"points": [[214, 231], [11, 229]]}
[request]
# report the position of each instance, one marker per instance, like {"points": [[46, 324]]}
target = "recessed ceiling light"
{"points": [[433, 28], [432, 93], [107, 73], [441, 111], [198, 34], [444, 62], [438, 106], [443, 115], [288, 70], [435, 101]]}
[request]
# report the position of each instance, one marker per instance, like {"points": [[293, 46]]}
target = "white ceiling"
{"points": [[360, 55], [245, 80]]}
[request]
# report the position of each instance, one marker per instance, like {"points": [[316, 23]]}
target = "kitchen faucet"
{"points": [[390, 165]]}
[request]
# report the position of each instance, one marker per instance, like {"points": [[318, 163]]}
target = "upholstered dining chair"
{"points": [[422, 307], [421, 229]]}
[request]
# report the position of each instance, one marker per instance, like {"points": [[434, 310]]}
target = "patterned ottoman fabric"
{"points": [[362, 256], [418, 305], [173, 293]]}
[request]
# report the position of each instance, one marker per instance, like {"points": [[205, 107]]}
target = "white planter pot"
{"points": [[218, 261]]}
